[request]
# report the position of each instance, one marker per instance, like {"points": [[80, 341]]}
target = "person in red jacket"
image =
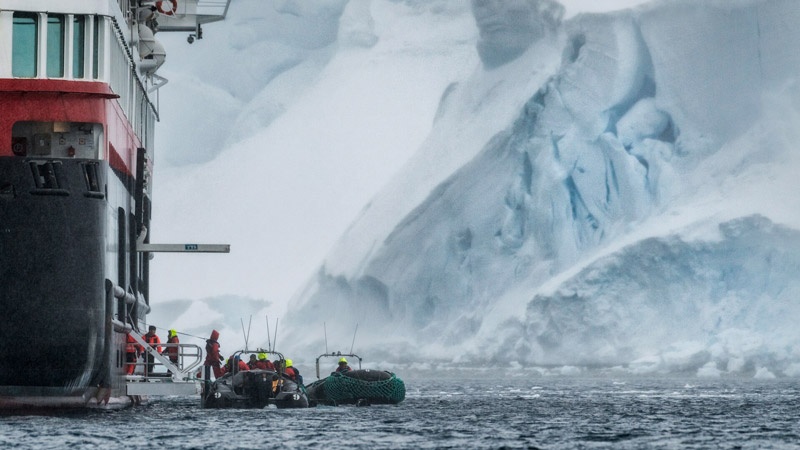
{"points": [[213, 358], [343, 367], [153, 341], [263, 363], [235, 362], [172, 352], [132, 352], [291, 372]]}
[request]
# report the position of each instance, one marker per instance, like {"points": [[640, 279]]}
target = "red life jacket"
{"points": [[130, 344], [240, 365], [173, 351], [212, 353], [291, 373], [264, 365], [153, 341]]}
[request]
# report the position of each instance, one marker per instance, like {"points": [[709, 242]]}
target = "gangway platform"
{"points": [[154, 386], [179, 379]]}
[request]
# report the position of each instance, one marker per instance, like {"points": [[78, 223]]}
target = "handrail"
{"points": [[335, 355], [178, 373], [192, 352], [154, 353], [278, 367], [184, 352]]}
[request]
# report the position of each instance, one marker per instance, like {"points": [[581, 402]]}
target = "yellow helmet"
{"points": [[172, 333], [342, 360], [262, 356], [288, 363]]}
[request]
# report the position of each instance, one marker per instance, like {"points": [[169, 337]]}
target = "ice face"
{"points": [[671, 304], [509, 27], [648, 114]]}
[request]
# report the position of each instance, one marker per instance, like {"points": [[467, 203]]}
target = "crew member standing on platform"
{"points": [[154, 342], [173, 351], [213, 359], [132, 352]]}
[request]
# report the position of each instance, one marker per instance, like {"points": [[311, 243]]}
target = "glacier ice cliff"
{"points": [[667, 304], [615, 194]]}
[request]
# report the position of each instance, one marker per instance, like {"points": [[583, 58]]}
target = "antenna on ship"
{"points": [[354, 338], [246, 335], [269, 341], [275, 341], [325, 330]]}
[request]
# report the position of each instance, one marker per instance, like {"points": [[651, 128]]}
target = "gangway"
{"points": [[178, 380]]}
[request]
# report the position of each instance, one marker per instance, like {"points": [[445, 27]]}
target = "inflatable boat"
{"points": [[255, 388], [360, 387]]}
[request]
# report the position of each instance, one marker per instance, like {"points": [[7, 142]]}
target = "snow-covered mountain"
{"points": [[608, 191]]}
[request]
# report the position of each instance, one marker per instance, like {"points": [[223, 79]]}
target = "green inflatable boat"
{"points": [[360, 387]]}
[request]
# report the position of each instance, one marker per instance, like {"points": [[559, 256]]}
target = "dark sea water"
{"points": [[551, 413]]}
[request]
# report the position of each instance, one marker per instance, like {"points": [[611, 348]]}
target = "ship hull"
{"points": [[59, 346], [76, 162], [91, 398]]}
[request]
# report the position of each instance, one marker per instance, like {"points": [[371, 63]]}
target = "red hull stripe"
{"points": [[47, 100], [91, 88]]}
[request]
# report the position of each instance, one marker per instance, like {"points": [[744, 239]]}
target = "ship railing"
{"points": [[189, 358]]}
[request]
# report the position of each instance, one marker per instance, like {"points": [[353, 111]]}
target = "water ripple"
{"points": [[550, 413]]}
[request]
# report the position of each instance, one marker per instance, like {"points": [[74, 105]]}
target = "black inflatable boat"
{"points": [[255, 388]]}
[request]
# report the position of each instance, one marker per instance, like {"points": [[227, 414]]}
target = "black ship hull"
{"points": [[66, 244]]}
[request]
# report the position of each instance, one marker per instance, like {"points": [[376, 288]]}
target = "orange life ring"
{"points": [[171, 11]]}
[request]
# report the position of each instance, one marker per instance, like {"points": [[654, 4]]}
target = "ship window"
{"points": [[55, 45], [24, 45], [78, 46], [46, 175], [96, 51]]}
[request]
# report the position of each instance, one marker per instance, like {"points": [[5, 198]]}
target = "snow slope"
{"points": [[353, 108]]}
